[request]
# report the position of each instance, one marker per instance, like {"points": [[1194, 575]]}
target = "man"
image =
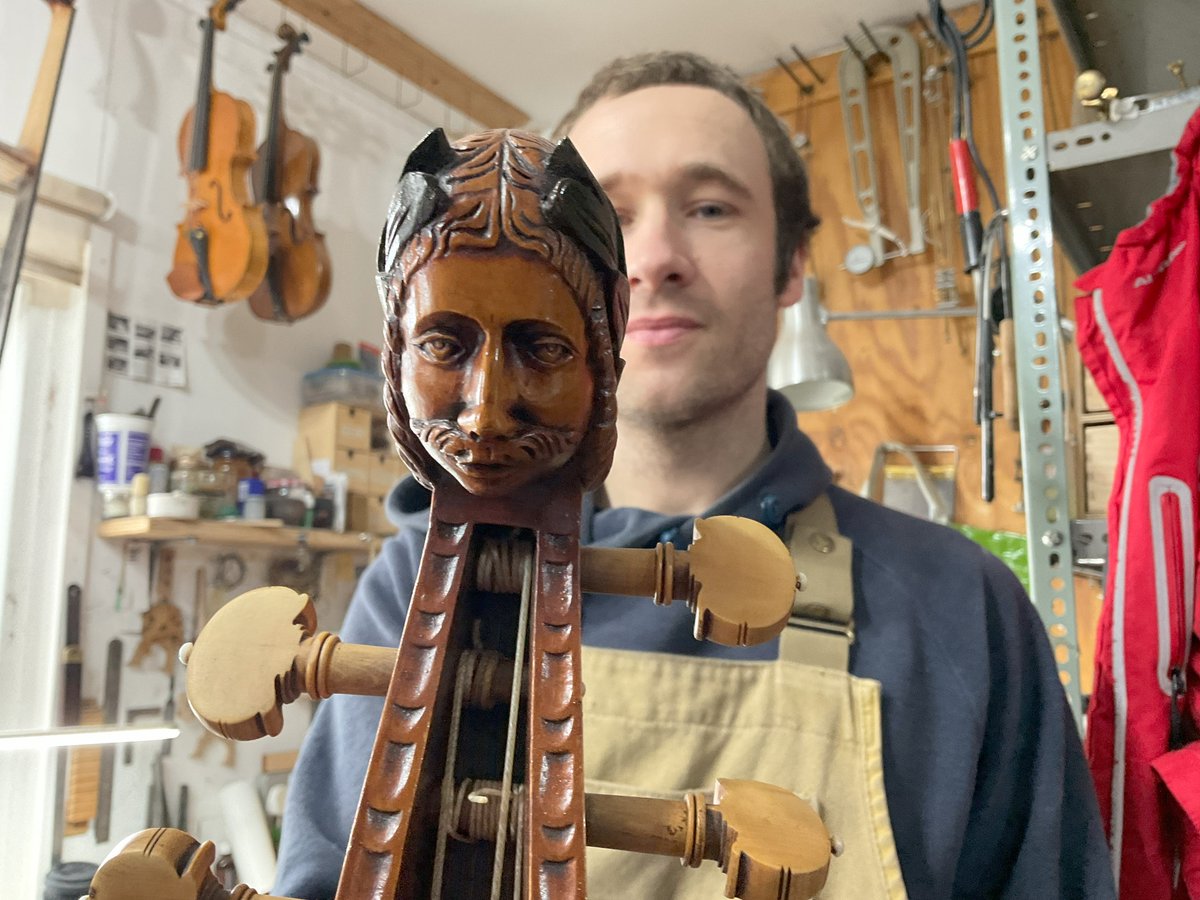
{"points": [[951, 698]]}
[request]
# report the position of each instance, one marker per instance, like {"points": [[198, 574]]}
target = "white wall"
{"points": [[129, 78]]}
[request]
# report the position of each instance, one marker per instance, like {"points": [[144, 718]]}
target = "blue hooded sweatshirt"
{"points": [[986, 783]]}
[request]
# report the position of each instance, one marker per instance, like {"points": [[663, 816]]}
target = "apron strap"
{"points": [[821, 627]]}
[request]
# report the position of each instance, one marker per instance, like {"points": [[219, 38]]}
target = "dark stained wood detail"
{"points": [[555, 831], [397, 774]]}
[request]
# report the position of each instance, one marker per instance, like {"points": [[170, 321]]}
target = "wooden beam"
{"points": [[398, 51]]}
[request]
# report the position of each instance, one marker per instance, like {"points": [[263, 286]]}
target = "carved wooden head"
{"points": [[502, 276]]}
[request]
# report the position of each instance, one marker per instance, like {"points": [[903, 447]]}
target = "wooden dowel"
{"points": [[646, 825], [633, 572], [360, 669]]}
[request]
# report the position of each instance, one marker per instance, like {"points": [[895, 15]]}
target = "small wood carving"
{"points": [[162, 623]]}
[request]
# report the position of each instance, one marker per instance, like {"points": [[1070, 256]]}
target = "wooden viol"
{"points": [[221, 248], [502, 276], [299, 274]]}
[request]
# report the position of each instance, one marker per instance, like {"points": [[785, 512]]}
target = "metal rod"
{"points": [[924, 23], [804, 62], [871, 38], [806, 88], [849, 43], [961, 312]]}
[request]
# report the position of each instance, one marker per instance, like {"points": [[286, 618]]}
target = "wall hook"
{"points": [[804, 61], [805, 88]]}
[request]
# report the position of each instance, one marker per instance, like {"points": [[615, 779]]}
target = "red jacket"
{"points": [[1139, 335]]}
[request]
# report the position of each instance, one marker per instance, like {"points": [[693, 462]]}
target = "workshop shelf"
{"points": [[234, 534]]}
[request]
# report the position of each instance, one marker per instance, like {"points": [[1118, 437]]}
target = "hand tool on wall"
{"points": [[979, 243], [70, 710], [85, 466], [902, 52], [22, 165], [108, 754], [157, 812]]}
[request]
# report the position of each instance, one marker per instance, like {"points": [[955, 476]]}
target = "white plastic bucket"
{"points": [[122, 447]]}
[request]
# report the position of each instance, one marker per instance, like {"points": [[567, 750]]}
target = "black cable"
{"points": [[970, 32], [975, 41], [963, 126]]}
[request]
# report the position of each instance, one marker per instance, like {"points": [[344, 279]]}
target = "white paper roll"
{"points": [[249, 836]]}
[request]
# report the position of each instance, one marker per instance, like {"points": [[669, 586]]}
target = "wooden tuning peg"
{"points": [[737, 577], [773, 844], [163, 864], [241, 670], [770, 843], [745, 581]]}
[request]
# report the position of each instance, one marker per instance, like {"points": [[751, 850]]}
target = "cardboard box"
{"points": [[377, 520], [356, 464], [358, 507], [385, 470], [334, 426]]}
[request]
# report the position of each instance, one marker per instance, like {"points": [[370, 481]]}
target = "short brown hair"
{"points": [[794, 218]]}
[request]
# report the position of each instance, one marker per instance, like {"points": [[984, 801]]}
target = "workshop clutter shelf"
{"points": [[233, 534], [338, 439]]}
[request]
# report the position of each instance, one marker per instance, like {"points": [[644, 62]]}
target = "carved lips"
{"points": [[495, 465]]}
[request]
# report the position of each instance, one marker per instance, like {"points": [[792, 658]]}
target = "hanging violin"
{"points": [[221, 251], [502, 277], [285, 182]]}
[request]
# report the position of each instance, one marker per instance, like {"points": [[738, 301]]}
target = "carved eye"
{"points": [[551, 352], [440, 348]]}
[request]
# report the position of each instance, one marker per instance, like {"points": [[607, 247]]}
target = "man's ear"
{"points": [[794, 289]]}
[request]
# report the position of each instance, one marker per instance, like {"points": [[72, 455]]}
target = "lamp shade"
{"points": [[806, 366]]}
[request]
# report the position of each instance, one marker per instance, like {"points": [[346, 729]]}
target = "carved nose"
{"points": [[490, 398]]}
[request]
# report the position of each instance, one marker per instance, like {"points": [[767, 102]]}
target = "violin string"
{"points": [[447, 820], [510, 744]]}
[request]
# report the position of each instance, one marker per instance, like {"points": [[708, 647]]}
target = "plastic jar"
{"points": [[288, 499], [194, 474], [159, 472], [252, 498], [114, 501]]}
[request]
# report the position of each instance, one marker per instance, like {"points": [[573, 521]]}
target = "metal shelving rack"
{"points": [[1036, 329]]}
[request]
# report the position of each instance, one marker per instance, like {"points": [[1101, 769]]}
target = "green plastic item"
{"points": [[1011, 547]]}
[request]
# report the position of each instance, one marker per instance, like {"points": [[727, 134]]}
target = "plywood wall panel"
{"points": [[913, 378]]}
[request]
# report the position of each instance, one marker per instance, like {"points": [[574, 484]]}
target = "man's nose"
{"points": [[657, 252], [490, 396]]}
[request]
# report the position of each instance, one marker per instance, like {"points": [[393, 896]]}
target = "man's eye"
{"points": [[710, 210], [440, 349], [551, 353]]}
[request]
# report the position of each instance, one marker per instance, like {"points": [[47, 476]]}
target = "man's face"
{"points": [[494, 369], [687, 172]]}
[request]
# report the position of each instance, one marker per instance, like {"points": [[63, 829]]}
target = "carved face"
{"points": [[494, 369]]}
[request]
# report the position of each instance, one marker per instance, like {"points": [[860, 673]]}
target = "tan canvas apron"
{"points": [[662, 724]]}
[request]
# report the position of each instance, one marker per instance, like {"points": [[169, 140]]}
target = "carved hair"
{"points": [[502, 190]]}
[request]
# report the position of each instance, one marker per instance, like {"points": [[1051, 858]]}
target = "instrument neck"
{"points": [[274, 127], [199, 155], [41, 106]]}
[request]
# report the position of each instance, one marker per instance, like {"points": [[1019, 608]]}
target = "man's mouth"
{"points": [[657, 331]]}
